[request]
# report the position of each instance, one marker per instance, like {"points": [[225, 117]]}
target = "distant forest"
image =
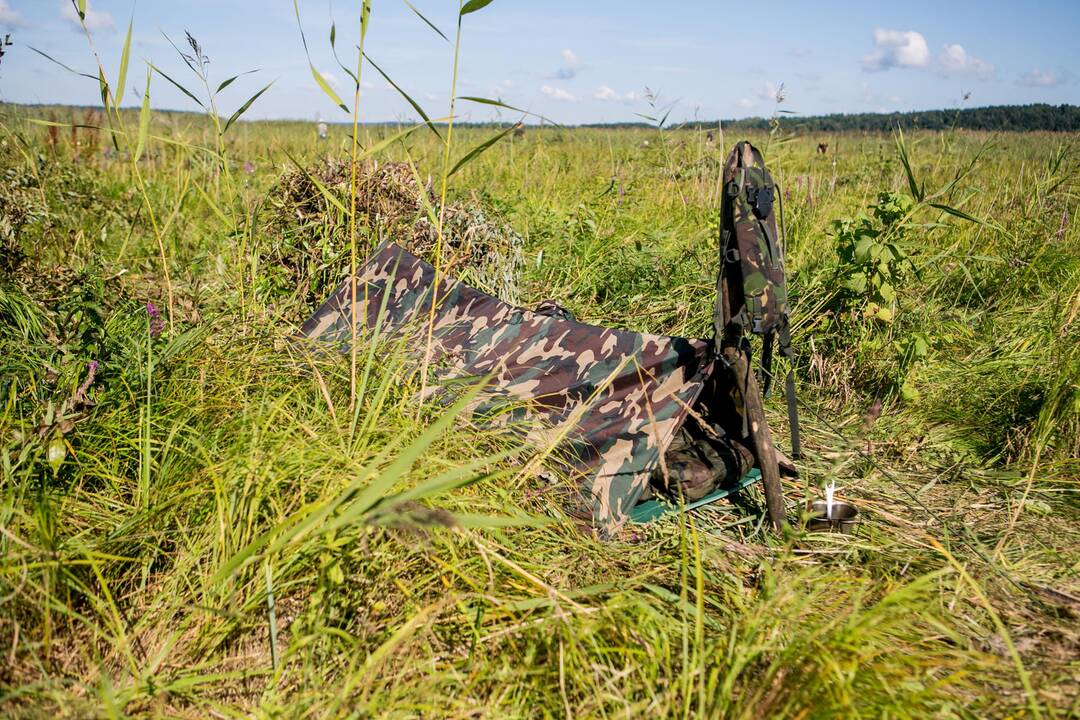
{"points": [[1018, 118], [1059, 118]]}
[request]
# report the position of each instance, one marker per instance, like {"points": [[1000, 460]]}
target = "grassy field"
{"points": [[200, 517]]}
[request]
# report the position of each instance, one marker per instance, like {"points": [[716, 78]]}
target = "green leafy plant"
{"points": [[873, 261], [913, 349]]}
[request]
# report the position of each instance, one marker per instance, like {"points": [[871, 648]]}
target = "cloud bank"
{"points": [[909, 49], [1043, 78], [10, 18]]}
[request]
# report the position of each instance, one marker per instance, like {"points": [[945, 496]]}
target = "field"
{"points": [[200, 517]]}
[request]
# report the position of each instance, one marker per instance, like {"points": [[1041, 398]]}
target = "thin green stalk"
{"points": [[365, 10], [442, 206], [271, 612], [144, 476]]}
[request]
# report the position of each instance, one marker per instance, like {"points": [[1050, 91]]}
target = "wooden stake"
{"points": [[764, 450]]}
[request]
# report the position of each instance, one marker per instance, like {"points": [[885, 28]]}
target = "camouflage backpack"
{"points": [[751, 292]]}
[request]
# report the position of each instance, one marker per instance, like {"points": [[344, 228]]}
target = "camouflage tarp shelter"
{"points": [[612, 398]]}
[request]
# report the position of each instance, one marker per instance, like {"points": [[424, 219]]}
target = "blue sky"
{"points": [[585, 61]]}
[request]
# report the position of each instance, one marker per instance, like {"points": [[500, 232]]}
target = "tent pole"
{"points": [[764, 450]]}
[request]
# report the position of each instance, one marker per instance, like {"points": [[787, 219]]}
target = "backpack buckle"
{"points": [[761, 200]]}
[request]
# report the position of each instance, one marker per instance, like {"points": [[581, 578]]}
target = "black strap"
{"points": [[789, 391], [744, 348], [766, 363]]}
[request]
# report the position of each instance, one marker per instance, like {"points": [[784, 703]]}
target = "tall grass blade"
{"points": [[121, 78], [319, 79], [271, 611], [479, 149], [901, 148], [226, 83], [452, 479], [178, 86], [500, 103], [408, 457], [243, 108], [325, 86], [474, 5], [144, 119], [66, 67], [429, 23], [103, 86], [955, 212], [388, 141], [333, 49], [408, 98]]}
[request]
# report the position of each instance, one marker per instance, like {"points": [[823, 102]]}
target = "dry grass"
{"points": [[218, 465]]}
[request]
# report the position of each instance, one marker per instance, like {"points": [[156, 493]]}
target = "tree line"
{"points": [[1021, 118]]}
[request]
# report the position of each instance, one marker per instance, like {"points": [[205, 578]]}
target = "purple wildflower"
{"points": [[249, 167], [156, 323]]}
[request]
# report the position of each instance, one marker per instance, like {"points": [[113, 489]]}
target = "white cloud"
{"points": [[1042, 78], [607, 94], [745, 103], [770, 92], [908, 49], [10, 18], [570, 66], [557, 93], [897, 48], [954, 60], [94, 20]]}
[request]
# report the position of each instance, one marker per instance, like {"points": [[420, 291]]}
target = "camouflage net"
{"points": [[305, 251]]}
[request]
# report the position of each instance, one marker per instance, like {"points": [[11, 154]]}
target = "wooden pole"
{"points": [[764, 450]]}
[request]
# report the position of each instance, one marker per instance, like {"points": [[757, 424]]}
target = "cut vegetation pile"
{"points": [[305, 247]]}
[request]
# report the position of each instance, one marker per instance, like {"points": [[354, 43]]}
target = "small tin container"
{"points": [[843, 519]]}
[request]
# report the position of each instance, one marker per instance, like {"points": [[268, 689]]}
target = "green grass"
{"points": [[416, 564]]}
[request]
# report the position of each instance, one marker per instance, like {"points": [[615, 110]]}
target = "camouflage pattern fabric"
{"points": [[757, 293], [751, 290], [608, 400], [554, 309], [697, 463]]}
